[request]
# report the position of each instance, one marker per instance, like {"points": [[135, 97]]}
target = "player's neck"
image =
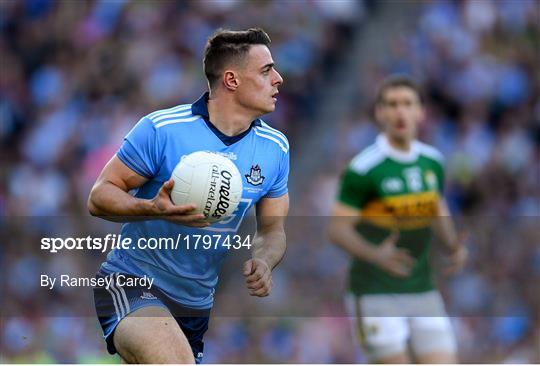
{"points": [[398, 144], [228, 117]]}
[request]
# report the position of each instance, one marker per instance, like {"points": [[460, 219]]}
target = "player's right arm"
{"points": [[355, 191], [138, 160], [109, 198], [386, 256]]}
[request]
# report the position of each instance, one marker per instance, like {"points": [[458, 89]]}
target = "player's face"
{"points": [[400, 113], [258, 81]]}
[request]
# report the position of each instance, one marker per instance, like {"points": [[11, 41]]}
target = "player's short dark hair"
{"points": [[226, 47], [397, 81]]}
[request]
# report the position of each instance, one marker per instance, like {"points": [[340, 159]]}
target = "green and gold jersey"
{"points": [[394, 190]]}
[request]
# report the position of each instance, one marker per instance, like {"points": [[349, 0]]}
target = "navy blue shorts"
{"points": [[116, 302]]}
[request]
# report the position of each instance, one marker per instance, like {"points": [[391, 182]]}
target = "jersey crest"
{"points": [[255, 176]]}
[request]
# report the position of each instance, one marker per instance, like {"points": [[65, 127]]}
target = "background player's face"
{"points": [[258, 81], [400, 113]]}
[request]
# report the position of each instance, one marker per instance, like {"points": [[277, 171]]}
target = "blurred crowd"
{"points": [[76, 76]]}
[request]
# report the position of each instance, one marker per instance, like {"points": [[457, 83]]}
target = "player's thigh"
{"points": [[151, 335], [383, 338], [432, 340]]}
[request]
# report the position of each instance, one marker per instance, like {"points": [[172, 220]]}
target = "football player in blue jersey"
{"points": [[166, 323]]}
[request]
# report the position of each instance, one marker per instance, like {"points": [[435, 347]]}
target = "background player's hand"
{"points": [[396, 261], [258, 277], [162, 205], [457, 257]]}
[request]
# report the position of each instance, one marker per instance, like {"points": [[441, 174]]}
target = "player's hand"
{"points": [[162, 205], [457, 257], [396, 261], [258, 277]]}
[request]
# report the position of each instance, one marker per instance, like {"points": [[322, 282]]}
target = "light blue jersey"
{"points": [[152, 149]]}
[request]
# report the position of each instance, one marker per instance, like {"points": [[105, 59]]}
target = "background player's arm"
{"points": [[109, 198], [387, 256], [268, 246], [444, 229]]}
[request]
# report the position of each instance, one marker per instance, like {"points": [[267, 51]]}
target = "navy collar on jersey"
{"points": [[200, 107]]}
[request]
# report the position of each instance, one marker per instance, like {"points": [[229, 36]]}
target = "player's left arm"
{"points": [[453, 243], [269, 244]]}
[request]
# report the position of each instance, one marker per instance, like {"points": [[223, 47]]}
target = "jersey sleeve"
{"points": [[140, 150], [354, 189], [279, 188]]}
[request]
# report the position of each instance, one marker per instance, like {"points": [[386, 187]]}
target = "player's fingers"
{"points": [[255, 276], [264, 278], [193, 218], [404, 257], [186, 219], [398, 270], [399, 273], [255, 285], [196, 219], [167, 187], [182, 209], [248, 265], [198, 224], [391, 239], [257, 271], [263, 291]]}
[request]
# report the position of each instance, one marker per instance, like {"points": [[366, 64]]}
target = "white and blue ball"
{"points": [[210, 181]]}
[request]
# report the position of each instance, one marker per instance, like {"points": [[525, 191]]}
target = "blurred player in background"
{"points": [[389, 201], [166, 324]]}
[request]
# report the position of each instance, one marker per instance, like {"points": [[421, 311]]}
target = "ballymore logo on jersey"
{"points": [[255, 177]]}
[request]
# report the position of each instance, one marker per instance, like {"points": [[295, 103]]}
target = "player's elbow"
{"points": [[92, 209], [91, 203]]}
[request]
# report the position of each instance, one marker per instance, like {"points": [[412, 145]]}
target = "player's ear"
{"points": [[230, 80]]}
